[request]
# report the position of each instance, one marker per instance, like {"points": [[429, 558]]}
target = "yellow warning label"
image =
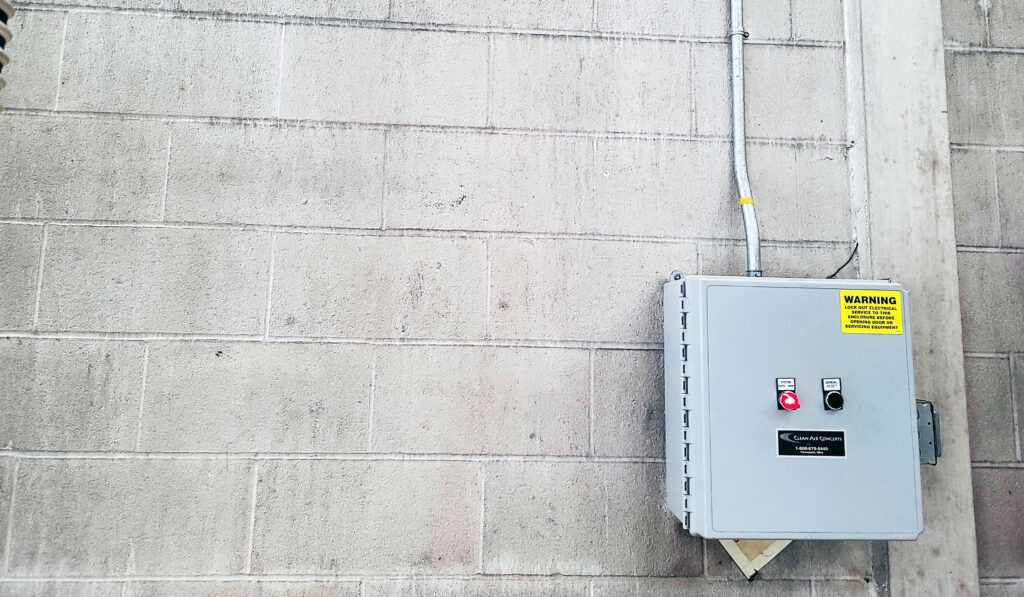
{"points": [[871, 311]]}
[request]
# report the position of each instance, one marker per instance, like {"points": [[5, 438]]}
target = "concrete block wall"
{"points": [[308, 298], [985, 70]]}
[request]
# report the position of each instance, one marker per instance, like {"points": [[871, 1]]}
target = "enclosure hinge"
{"points": [[929, 438]]}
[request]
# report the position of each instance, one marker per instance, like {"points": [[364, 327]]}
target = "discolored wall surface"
{"points": [[363, 298], [985, 70]]}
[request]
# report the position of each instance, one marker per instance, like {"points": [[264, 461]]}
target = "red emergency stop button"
{"points": [[789, 401]]}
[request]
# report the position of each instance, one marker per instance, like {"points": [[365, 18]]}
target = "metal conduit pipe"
{"points": [[739, 142]]}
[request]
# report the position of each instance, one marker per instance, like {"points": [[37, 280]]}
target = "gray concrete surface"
{"points": [[83, 517], [20, 247], [403, 517], [378, 286], [261, 170], [361, 298], [984, 66], [248, 397], [912, 236], [126, 159], [70, 396], [524, 413], [128, 279], [591, 503]]}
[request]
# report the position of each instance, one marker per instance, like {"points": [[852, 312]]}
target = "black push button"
{"points": [[833, 401], [832, 393]]}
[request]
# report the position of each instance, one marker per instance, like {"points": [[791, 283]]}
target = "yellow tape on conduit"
{"points": [[746, 200]]}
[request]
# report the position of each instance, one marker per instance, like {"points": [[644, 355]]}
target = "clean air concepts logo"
{"points": [[797, 442]]}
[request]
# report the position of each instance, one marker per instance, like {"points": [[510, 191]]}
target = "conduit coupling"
{"points": [[6, 12], [739, 142]]}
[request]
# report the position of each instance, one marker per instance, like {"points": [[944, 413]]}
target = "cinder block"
{"points": [[766, 19], [975, 197], [763, 19], [674, 587], [791, 92], [663, 188], [19, 271], [579, 518], [990, 299], [381, 75], [801, 192], [442, 587], [963, 22], [984, 90], [481, 400], [529, 14], [83, 168], [629, 403], [134, 63], [603, 291], [242, 588], [7, 466], [783, 262], [1017, 368], [152, 517], [360, 286], [471, 181], [592, 84], [1005, 21], [394, 517], [818, 20], [998, 502], [249, 397], [677, 188], [373, 10], [530, 183], [376, 10], [35, 52], [699, 18], [155, 280], [69, 395], [712, 92], [801, 559], [61, 589], [1002, 588], [275, 175], [990, 410], [795, 92], [846, 588], [1009, 173]]}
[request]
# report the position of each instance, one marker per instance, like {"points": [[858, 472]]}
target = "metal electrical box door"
{"points": [[789, 409]]}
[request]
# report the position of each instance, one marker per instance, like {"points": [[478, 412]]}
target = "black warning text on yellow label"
{"points": [[871, 311]]}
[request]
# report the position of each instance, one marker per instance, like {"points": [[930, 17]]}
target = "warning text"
{"points": [[871, 311]]}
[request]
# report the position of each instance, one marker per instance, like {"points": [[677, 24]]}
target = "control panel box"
{"points": [[789, 409]]}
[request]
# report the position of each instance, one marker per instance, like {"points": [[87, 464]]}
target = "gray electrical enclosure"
{"points": [[789, 409]]}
